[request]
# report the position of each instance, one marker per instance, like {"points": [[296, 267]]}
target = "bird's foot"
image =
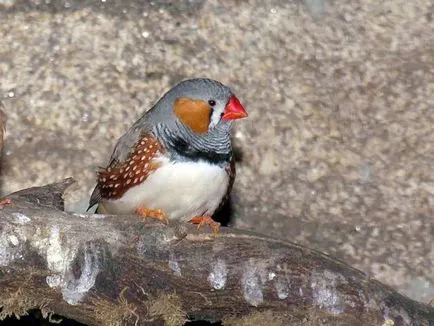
{"points": [[4, 202], [206, 220], [153, 213]]}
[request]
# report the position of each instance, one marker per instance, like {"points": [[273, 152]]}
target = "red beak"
{"points": [[234, 110]]}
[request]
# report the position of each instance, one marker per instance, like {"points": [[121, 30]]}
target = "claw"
{"points": [[206, 220], [153, 213]]}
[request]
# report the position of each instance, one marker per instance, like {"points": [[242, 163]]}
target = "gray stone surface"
{"points": [[337, 153]]}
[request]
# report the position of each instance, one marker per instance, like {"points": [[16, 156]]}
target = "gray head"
{"points": [[195, 117], [201, 104]]}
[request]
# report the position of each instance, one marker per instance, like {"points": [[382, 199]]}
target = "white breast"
{"points": [[182, 190]]}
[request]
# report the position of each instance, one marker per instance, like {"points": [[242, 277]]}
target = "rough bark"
{"points": [[119, 270]]}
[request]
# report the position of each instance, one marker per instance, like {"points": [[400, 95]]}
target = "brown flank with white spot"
{"points": [[114, 181]]}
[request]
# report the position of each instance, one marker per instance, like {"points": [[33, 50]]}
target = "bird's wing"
{"points": [[231, 171], [123, 149], [126, 143], [95, 198], [116, 179]]}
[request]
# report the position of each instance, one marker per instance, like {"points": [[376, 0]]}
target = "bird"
{"points": [[176, 160]]}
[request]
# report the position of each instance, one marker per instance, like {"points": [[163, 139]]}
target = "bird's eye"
{"points": [[211, 102]]}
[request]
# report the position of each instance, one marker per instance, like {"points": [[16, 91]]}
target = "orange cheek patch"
{"points": [[193, 113]]}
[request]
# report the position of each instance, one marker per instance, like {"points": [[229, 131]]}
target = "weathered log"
{"points": [[119, 270]]}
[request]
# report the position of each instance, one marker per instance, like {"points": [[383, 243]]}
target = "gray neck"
{"points": [[214, 146]]}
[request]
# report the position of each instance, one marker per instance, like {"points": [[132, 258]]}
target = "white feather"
{"points": [[182, 190]]}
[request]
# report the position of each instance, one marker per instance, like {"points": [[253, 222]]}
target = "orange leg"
{"points": [[153, 213], [4, 202], [206, 220]]}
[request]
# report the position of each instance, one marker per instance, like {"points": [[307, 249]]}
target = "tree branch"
{"points": [[117, 270]]}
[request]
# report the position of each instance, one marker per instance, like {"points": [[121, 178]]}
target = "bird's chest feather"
{"points": [[180, 189]]}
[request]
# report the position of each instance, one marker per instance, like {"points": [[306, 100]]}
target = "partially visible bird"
{"points": [[176, 161]]}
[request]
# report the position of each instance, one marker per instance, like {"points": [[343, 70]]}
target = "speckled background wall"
{"points": [[338, 150]]}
